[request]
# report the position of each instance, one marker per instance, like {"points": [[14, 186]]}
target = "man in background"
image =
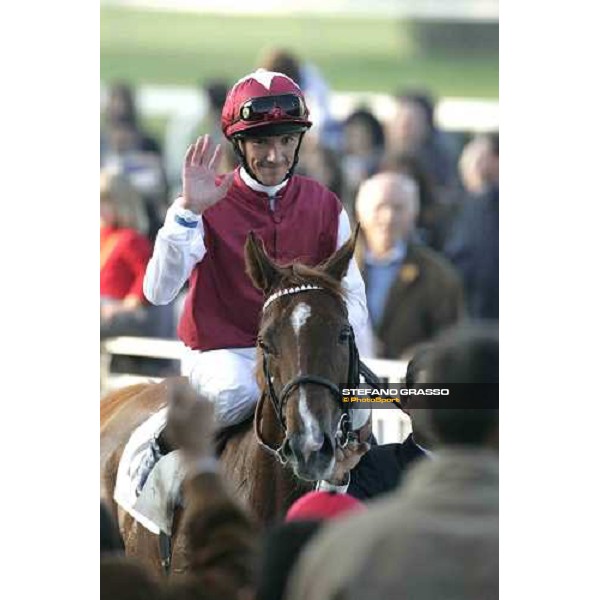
{"points": [[412, 291]]}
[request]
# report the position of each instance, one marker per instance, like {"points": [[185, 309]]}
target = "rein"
{"points": [[279, 402]]}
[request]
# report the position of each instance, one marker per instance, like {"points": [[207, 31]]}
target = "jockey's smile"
{"points": [[270, 158]]}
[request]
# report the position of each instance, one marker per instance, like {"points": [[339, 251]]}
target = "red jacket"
{"points": [[124, 255], [222, 308]]}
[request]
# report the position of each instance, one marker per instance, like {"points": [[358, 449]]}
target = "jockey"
{"points": [[202, 240]]}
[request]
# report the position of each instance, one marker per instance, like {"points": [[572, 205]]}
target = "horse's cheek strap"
{"points": [[272, 394], [257, 427], [258, 420]]}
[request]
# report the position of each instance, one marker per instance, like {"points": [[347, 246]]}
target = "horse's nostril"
{"points": [[328, 446]]}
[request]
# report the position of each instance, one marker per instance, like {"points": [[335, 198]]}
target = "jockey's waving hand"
{"points": [[199, 176]]}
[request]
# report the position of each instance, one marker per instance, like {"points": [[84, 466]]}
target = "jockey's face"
{"points": [[270, 158]]}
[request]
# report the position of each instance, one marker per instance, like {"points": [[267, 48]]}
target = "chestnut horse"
{"points": [[305, 350]]}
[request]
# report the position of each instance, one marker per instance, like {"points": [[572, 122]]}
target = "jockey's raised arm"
{"points": [[180, 244], [177, 250]]}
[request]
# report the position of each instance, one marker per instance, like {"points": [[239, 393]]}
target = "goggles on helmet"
{"points": [[265, 107]]}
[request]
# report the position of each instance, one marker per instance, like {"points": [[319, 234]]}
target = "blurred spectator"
{"points": [[364, 147], [315, 89], [412, 130], [412, 292], [322, 505], [479, 164], [143, 169], [121, 110], [321, 163], [124, 253], [124, 578], [125, 147], [437, 535], [473, 244], [435, 217], [384, 467], [182, 130], [281, 548], [216, 92], [465, 354]]}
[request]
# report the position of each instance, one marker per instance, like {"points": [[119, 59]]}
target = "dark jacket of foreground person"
{"points": [[435, 537]]}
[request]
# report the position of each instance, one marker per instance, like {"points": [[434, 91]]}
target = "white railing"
{"points": [[389, 425]]}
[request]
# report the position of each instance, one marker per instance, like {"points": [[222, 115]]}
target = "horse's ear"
{"points": [[336, 265], [263, 272]]}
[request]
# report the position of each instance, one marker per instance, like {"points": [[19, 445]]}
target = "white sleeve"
{"points": [[177, 249], [356, 298]]}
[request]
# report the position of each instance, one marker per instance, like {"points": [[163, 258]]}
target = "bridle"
{"points": [[279, 402]]}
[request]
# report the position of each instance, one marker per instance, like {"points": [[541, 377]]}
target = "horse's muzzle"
{"points": [[311, 458]]}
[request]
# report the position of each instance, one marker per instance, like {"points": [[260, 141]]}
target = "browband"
{"points": [[286, 291]]}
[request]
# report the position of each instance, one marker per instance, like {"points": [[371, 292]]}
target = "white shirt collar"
{"points": [[270, 190]]}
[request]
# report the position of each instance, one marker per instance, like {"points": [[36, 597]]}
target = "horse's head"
{"points": [[306, 351]]}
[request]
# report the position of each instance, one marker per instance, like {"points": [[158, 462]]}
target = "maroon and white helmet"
{"points": [[264, 101]]}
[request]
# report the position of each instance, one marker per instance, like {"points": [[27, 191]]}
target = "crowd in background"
{"points": [[427, 201]]}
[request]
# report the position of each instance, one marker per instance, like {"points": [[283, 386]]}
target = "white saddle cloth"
{"points": [[153, 507], [161, 492]]}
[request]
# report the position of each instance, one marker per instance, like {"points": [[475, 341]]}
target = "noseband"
{"points": [[279, 402]]}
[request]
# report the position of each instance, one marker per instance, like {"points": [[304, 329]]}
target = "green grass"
{"points": [[148, 47]]}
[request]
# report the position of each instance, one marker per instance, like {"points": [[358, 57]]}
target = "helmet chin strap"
{"points": [[237, 147]]}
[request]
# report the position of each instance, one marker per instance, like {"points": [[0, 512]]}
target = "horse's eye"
{"points": [[264, 346], [344, 335]]}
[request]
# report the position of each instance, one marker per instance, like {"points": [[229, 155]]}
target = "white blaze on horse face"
{"points": [[299, 317], [313, 440]]}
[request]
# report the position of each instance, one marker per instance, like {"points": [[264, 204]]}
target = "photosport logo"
{"points": [[395, 395]]}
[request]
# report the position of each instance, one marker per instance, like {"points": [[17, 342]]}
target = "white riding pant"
{"points": [[227, 378]]}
